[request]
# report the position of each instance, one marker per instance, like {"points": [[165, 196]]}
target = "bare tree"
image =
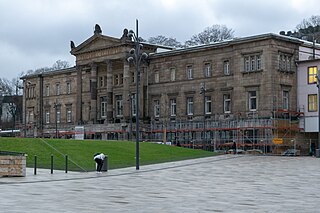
{"points": [[165, 41], [311, 23], [211, 34], [58, 65]]}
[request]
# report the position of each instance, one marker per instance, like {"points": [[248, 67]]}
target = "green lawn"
{"points": [[80, 153]]}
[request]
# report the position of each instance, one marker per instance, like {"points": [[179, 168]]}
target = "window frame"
{"points": [[189, 70], [190, 106], [156, 108], [58, 89], [226, 67], [119, 106], [285, 99], [207, 69], [69, 115], [156, 77], [47, 90], [172, 74], [252, 100], [312, 76], [47, 117], [208, 105], [173, 107], [103, 107], [312, 104], [226, 103]]}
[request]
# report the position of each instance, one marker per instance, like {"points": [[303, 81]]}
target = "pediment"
{"points": [[96, 42]]}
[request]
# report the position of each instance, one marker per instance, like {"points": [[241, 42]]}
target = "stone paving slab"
{"points": [[227, 183]]}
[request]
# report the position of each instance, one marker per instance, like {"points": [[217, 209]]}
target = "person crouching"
{"points": [[99, 159]]}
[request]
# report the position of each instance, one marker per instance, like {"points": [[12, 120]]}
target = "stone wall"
{"points": [[12, 166]]}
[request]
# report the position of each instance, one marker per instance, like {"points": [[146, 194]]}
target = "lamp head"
{"points": [[131, 34], [144, 56], [132, 51], [130, 59]]}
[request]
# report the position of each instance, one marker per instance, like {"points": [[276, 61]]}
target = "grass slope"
{"points": [[80, 153]]}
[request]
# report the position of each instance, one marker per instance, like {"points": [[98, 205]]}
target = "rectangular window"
{"points": [[68, 88], [103, 107], [100, 82], [172, 74], [47, 117], [57, 89], [207, 70], [285, 96], [69, 115], [312, 103], [226, 103], [58, 116], [285, 62], [208, 105], [116, 80], [119, 105], [189, 72], [226, 67], [121, 79], [173, 107], [252, 63], [133, 104], [190, 106], [258, 62], [312, 75], [47, 91], [156, 77], [156, 108], [247, 64], [31, 92], [252, 100]]}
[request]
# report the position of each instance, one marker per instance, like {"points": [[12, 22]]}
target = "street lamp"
{"points": [[136, 56], [203, 92], [318, 85], [130, 106], [55, 106]]}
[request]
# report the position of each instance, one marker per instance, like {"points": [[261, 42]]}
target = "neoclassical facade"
{"points": [[221, 92]]}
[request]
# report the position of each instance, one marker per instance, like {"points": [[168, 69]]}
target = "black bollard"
{"points": [[35, 165], [51, 164], [66, 163]]}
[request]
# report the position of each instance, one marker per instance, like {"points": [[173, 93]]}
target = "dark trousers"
{"points": [[99, 164]]}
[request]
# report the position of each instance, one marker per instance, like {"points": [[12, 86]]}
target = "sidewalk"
{"points": [[227, 183]]}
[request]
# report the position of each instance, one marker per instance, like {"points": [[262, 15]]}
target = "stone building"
{"points": [[241, 90]]}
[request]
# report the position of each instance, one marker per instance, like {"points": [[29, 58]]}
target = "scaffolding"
{"points": [[220, 134]]}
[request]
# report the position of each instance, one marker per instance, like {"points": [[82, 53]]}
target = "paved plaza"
{"points": [[227, 183]]}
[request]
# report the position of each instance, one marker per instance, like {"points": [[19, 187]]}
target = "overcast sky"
{"points": [[36, 33]]}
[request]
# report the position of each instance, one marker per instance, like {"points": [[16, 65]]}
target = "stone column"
{"points": [[125, 94], [93, 89], [109, 92], [79, 118]]}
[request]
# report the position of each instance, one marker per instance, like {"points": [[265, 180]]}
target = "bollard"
{"points": [[35, 165], [51, 164], [66, 163]]}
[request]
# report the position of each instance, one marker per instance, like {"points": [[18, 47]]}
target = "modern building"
{"points": [[308, 99], [242, 90]]}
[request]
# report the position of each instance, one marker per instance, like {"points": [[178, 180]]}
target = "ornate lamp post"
{"points": [[318, 85], [55, 106], [136, 56], [130, 106], [203, 92]]}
